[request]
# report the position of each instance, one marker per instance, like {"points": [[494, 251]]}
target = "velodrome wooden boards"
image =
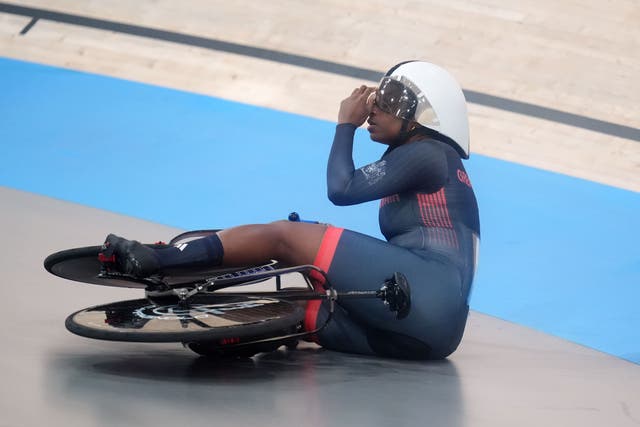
{"points": [[552, 85]]}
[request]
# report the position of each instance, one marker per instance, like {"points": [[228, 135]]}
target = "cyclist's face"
{"points": [[383, 127]]}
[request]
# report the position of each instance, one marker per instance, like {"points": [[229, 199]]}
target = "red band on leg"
{"points": [[323, 261]]}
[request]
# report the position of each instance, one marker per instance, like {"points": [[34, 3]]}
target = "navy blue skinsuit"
{"points": [[429, 216]]}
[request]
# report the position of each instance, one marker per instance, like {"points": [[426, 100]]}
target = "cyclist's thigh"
{"points": [[438, 310], [342, 333]]}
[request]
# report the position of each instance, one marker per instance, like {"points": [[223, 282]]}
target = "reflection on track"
{"points": [[269, 389]]}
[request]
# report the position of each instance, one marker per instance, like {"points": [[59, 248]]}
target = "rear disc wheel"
{"points": [[204, 319]]}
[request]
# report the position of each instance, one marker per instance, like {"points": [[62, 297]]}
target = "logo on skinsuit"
{"points": [[375, 171], [464, 178]]}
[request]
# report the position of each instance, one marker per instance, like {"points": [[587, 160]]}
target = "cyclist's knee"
{"points": [[280, 230], [296, 242], [283, 239]]}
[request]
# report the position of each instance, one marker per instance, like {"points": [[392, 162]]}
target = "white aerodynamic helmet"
{"points": [[428, 94]]}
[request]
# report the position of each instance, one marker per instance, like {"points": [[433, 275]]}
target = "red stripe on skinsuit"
{"points": [[435, 209], [443, 202], [421, 204], [323, 260], [437, 206], [428, 213]]}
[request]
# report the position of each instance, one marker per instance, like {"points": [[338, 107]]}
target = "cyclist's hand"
{"points": [[356, 108]]}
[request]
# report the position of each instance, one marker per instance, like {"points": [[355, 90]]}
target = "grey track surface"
{"points": [[503, 374]]}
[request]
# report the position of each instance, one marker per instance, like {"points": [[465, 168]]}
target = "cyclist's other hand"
{"points": [[356, 108]]}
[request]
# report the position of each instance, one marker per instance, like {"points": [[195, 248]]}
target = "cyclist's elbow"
{"points": [[338, 198]]}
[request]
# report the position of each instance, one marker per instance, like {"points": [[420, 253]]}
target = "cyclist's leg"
{"points": [[439, 309], [288, 242], [293, 243], [346, 334], [342, 333]]}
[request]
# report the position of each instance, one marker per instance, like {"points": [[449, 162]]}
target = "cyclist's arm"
{"points": [[409, 167]]}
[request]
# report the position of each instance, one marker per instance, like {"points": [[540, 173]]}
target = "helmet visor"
{"points": [[397, 99]]}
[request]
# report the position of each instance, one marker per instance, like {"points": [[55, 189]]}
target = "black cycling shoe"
{"points": [[129, 256]]}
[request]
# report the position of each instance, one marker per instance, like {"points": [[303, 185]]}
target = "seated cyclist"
{"points": [[428, 215]]}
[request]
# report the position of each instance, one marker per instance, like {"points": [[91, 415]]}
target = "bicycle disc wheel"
{"points": [[82, 265], [205, 318]]}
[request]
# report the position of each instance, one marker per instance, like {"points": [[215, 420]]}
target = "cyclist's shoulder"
{"points": [[427, 149], [425, 144]]}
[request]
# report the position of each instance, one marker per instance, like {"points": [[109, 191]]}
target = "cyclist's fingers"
{"points": [[360, 90], [371, 98]]}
